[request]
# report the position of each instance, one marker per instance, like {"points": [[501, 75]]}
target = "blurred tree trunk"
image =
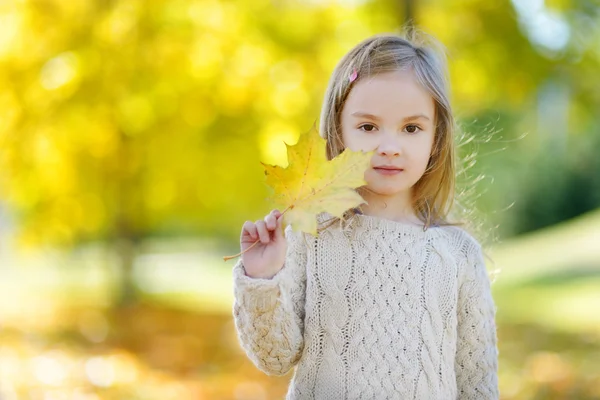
{"points": [[127, 294], [129, 216]]}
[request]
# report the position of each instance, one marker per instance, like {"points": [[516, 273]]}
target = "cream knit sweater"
{"points": [[374, 310]]}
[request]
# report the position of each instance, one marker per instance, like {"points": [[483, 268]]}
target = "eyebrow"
{"points": [[374, 117]]}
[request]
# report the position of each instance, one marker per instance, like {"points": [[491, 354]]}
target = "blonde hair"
{"points": [[434, 193]]}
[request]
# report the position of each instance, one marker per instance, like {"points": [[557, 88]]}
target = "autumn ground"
{"points": [[60, 340]]}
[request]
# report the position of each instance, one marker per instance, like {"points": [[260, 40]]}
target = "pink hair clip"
{"points": [[353, 75]]}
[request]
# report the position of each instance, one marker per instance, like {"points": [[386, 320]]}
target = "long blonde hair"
{"points": [[434, 193]]}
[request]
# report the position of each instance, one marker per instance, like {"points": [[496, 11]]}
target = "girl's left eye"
{"points": [[415, 128]]}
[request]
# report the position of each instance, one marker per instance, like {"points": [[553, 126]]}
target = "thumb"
{"points": [[279, 231]]}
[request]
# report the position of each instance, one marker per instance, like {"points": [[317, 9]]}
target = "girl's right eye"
{"points": [[367, 127]]}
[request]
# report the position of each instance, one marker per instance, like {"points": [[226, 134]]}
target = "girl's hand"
{"points": [[266, 258]]}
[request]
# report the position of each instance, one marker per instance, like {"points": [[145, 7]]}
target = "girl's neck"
{"points": [[392, 209]]}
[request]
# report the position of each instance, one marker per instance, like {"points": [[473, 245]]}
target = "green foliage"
{"points": [[560, 186]]}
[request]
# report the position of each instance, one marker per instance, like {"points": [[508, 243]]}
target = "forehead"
{"points": [[390, 94]]}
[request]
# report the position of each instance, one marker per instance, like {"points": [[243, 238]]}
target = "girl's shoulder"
{"points": [[461, 239], [460, 234], [468, 252]]}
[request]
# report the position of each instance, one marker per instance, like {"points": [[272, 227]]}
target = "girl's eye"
{"points": [[367, 127], [412, 126]]}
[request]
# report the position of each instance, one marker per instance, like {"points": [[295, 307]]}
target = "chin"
{"points": [[386, 190]]}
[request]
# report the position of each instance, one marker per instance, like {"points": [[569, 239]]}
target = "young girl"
{"points": [[391, 301]]}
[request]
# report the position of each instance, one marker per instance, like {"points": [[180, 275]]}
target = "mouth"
{"points": [[388, 170]]}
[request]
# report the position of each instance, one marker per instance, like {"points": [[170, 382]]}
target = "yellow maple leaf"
{"points": [[311, 184]]}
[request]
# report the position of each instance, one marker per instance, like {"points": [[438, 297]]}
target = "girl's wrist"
{"points": [[261, 276]]}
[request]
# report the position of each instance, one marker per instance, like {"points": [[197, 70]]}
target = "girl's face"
{"points": [[393, 115]]}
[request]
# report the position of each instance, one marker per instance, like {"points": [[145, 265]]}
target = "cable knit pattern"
{"points": [[374, 310]]}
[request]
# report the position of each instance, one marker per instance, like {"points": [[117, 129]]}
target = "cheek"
{"points": [[349, 141], [423, 149], [353, 145], [423, 160], [359, 142]]}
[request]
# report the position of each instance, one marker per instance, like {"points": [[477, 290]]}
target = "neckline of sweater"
{"points": [[373, 222]]}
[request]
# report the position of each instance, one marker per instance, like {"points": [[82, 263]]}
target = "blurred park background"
{"points": [[130, 138]]}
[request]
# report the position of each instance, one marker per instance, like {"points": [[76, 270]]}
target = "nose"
{"points": [[389, 145]]}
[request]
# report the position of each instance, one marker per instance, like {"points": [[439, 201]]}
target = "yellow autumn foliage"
{"points": [[311, 184]]}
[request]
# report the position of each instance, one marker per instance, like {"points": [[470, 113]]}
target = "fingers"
{"points": [[249, 230], [261, 230], [271, 221], [274, 222], [263, 233], [278, 228]]}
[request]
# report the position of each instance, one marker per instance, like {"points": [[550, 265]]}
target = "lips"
{"points": [[389, 168]]}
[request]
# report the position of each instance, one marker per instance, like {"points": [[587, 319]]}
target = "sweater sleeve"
{"points": [[269, 313], [476, 362]]}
